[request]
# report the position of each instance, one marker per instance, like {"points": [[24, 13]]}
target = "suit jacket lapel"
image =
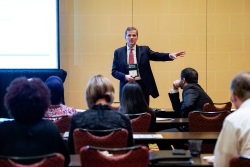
{"points": [[124, 56], [138, 54]]}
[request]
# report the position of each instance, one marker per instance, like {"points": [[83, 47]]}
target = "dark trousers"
{"points": [[144, 90]]}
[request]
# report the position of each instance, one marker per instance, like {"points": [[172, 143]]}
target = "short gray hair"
{"points": [[240, 85], [130, 29]]}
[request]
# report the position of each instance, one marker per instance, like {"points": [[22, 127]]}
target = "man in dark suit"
{"points": [[139, 69], [194, 97]]}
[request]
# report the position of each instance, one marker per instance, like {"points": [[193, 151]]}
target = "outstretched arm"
{"points": [[175, 55]]}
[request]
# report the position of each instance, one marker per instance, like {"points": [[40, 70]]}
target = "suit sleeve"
{"points": [[189, 101], [116, 71], [176, 103], [157, 56]]}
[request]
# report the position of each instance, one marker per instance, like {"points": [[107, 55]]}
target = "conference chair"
{"points": [[210, 107], [48, 160], [112, 138], [240, 161], [140, 122], [207, 122], [63, 123], [136, 156]]}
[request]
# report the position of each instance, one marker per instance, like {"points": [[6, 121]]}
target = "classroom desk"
{"points": [[167, 123], [165, 113], [175, 136], [165, 139], [151, 137], [179, 139], [198, 162]]}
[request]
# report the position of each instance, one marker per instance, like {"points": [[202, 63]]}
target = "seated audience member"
{"points": [[234, 138], [133, 102], [193, 96], [29, 134], [57, 107], [99, 116]]}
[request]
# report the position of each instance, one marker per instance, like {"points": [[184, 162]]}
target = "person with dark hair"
{"points": [[131, 63], [194, 97], [29, 134], [133, 102], [57, 107], [234, 137], [99, 116]]}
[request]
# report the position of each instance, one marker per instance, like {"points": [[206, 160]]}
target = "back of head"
{"points": [[99, 87], [133, 100], [190, 75], [240, 85], [27, 99], [55, 84]]}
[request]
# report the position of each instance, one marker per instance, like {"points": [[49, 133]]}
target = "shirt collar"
{"points": [[101, 107], [134, 48], [245, 103]]}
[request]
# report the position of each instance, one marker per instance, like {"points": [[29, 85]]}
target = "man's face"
{"points": [[131, 38], [181, 83], [234, 99]]}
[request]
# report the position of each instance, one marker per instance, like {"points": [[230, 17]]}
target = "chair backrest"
{"points": [[112, 138], [239, 161], [140, 122], [63, 123], [206, 121], [136, 156], [48, 160], [210, 107]]}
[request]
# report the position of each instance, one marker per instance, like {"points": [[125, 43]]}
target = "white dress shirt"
{"points": [[234, 138], [135, 60], [134, 53]]}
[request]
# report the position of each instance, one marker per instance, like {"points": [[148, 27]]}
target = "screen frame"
{"points": [[14, 58]]}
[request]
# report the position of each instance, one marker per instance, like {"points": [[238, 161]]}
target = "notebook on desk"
{"points": [[166, 156]]}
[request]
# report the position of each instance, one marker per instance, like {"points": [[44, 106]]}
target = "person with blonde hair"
{"points": [[99, 116]]}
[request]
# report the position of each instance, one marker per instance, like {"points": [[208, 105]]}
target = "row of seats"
{"points": [[141, 123], [91, 155]]}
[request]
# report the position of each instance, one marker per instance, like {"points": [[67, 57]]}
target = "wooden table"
{"points": [[167, 123], [198, 162], [165, 113], [170, 137], [174, 136], [165, 139]]}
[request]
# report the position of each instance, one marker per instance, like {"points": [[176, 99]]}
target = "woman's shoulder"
{"points": [[119, 114]]}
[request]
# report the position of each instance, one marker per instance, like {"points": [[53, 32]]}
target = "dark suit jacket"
{"points": [[143, 55], [42, 137], [193, 96]]}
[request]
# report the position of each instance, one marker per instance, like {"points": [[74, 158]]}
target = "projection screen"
{"points": [[29, 34]]}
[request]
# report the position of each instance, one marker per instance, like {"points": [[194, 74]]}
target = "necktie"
{"points": [[131, 57]]}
